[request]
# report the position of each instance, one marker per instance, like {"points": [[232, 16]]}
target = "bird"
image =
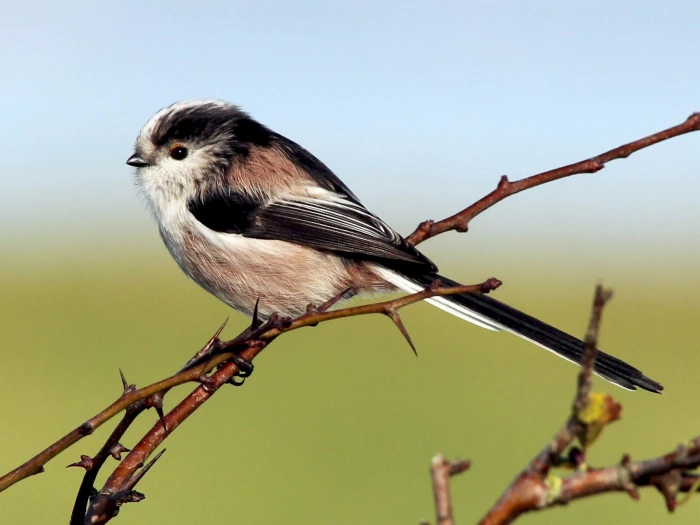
{"points": [[262, 224]]}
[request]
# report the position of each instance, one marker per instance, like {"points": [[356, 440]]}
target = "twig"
{"points": [[104, 505], [112, 447], [668, 473], [101, 510], [460, 221], [537, 488], [526, 491], [441, 470], [35, 465], [590, 350]]}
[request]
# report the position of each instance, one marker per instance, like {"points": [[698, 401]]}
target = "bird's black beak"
{"points": [[136, 161]]}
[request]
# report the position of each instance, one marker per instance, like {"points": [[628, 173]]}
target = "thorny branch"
{"points": [[112, 447], [460, 221], [119, 487], [441, 470], [512, 501], [106, 503], [537, 487], [225, 351]]}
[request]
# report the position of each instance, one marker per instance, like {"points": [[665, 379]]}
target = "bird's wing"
{"points": [[328, 221]]}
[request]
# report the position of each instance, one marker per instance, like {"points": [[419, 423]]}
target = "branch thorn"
{"points": [[216, 335], [156, 401], [255, 321], [141, 473], [125, 384], [117, 450], [85, 462], [393, 314], [503, 182]]}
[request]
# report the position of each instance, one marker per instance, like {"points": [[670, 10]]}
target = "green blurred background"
{"points": [[419, 107], [339, 422]]}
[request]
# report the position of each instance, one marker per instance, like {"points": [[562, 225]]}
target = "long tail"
{"points": [[489, 313]]}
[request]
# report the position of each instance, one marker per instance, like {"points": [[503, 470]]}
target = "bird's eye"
{"points": [[178, 152]]}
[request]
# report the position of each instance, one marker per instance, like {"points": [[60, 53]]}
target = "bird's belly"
{"points": [[285, 278]]}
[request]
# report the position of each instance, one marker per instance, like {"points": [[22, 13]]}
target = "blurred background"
{"points": [[419, 107]]}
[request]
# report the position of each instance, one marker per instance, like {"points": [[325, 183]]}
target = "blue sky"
{"points": [[418, 106]]}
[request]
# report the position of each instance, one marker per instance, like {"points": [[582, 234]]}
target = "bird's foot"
{"points": [[245, 370]]}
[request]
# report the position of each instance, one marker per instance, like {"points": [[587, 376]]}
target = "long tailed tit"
{"points": [[252, 216]]}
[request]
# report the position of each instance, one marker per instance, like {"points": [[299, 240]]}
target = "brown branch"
{"points": [[112, 447], [517, 498], [583, 389], [460, 221], [536, 488], [105, 505], [36, 464], [669, 474], [523, 493], [441, 470]]}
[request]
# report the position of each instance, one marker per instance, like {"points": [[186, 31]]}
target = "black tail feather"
{"points": [[541, 333]]}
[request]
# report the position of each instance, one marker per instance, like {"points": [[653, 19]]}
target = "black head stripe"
{"points": [[209, 121], [194, 123]]}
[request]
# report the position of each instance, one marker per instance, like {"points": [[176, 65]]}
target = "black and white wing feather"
{"points": [[330, 222], [339, 225]]}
